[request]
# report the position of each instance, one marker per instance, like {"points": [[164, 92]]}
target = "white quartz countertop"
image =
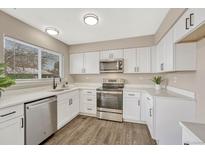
{"points": [[28, 96], [25, 96], [158, 93], [197, 129]]}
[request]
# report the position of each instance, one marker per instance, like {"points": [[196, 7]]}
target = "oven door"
{"points": [[111, 66], [110, 100]]}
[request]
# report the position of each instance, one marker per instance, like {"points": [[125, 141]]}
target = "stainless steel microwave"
{"points": [[112, 66]]}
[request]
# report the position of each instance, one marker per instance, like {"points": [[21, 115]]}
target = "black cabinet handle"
{"points": [[187, 24], [22, 123], [191, 21]]}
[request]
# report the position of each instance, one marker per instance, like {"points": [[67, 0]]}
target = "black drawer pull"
{"points": [[4, 115]]}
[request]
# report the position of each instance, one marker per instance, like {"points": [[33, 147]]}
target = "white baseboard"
{"points": [[182, 92]]}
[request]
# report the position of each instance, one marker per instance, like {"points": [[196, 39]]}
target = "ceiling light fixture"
{"points": [[91, 19], [52, 31]]}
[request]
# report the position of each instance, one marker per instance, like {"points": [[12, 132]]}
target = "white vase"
{"points": [[157, 87]]}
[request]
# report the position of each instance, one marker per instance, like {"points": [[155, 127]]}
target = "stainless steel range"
{"points": [[110, 99]]}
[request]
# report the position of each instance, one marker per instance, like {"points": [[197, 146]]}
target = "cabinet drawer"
{"points": [[11, 112], [90, 108], [129, 94], [89, 92]]}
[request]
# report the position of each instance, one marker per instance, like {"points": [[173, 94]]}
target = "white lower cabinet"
{"points": [[68, 107], [88, 102], [148, 112], [131, 106], [12, 125]]}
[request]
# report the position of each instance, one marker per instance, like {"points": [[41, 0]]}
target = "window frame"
{"points": [[40, 49]]}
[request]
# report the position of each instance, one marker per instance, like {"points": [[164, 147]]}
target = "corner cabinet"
{"points": [[84, 63]]}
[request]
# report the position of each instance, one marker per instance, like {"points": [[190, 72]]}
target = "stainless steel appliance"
{"points": [[116, 65], [41, 120], [110, 100]]}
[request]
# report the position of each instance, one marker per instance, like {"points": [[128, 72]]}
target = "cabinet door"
{"points": [[154, 59], [144, 109], [12, 132], [63, 109], [131, 106], [197, 16], [63, 113], [130, 60], [185, 57], [111, 54], [104, 55], [143, 60], [91, 62], [74, 104], [181, 27], [161, 56], [76, 63], [169, 51], [116, 54]]}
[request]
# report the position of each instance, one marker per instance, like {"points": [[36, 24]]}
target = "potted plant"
{"points": [[5, 81], [157, 80]]}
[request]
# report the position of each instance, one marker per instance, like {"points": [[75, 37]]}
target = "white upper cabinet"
{"points": [[144, 60], [154, 59], [137, 60], [91, 62], [189, 21], [84, 63], [76, 63], [165, 53], [169, 51], [185, 56], [111, 54], [130, 60]]}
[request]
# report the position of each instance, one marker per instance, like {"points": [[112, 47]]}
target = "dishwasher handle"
{"points": [[37, 103]]}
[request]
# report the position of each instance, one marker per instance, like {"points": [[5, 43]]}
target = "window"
{"points": [[49, 64], [25, 61]]}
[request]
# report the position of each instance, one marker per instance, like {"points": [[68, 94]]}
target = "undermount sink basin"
{"points": [[56, 90]]}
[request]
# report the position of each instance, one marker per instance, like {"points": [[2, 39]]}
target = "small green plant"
{"points": [[5, 81], [157, 79]]}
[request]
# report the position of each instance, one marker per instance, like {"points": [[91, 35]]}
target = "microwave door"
{"points": [[111, 66]]}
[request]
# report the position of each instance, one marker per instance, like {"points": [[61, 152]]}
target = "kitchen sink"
{"points": [[56, 90]]}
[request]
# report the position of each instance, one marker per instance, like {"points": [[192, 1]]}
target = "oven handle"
{"points": [[109, 92]]}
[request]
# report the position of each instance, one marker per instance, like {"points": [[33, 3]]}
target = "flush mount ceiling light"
{"points": [[52, 31], [91, 19]]}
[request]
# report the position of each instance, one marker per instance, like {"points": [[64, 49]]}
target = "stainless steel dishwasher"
{"points": [[41, 120]]}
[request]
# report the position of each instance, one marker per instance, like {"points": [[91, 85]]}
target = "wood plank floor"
{"points": [[86, 130]]}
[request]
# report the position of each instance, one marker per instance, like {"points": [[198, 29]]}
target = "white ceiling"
{"points": [[113, 23]]}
